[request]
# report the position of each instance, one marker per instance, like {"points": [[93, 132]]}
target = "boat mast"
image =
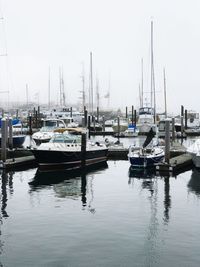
{"points": [[141, 103], [49, 86], [165, 94], [91, 82], [97, 92], [27, 95], [83, 85], [153, 94]]}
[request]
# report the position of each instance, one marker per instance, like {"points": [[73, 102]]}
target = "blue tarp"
{"points": [[14, 121]]}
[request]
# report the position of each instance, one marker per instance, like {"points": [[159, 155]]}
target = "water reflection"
{"points": [[149, 181], [194, 182], [67, 183], [6, 185]]}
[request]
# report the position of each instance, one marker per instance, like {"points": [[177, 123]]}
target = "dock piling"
{"points": [[167, 141], [10, 134], [4, 138], [83, 149]]}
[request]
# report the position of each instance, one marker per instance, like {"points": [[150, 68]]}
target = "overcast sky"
{"points": [[42, 33]]}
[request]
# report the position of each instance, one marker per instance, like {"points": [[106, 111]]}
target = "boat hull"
{"points": [[143, 162], [18, 140], [68, 159]]}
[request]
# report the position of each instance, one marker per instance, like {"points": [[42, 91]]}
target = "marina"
{"points": [[99, 134]]}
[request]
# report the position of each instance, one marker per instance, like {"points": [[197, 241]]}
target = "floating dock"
{"points": [[177, 164]]}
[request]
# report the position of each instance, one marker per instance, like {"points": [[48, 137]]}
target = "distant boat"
{"points": [[132, 131], [194, 150], [147, 155], [146, 121], [123, 125], [47, 130], [18, 135], [64, 151]]}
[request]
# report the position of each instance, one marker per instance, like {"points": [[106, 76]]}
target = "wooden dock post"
{"points": [[97, 114], [93, 120], [118, 127], [36, 119], [10, 134], [71, 112], [30, 124], [182, 115], [89, 120], [4, 138], [85, 118], [132, 112], [186, 119], [103, 123], [173, 129], [167, 140], [83, 150], [135, 118]]}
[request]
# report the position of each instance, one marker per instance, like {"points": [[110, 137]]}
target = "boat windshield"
{"points": [[65, 138], [146, 110], [51, 123], [47, 128]]}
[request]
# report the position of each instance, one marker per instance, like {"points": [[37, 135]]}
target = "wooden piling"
{"points": [[126, 112], [71, 112], [30, 124], [103, 123], [182, 126], [10, 134], [89, 129], [186, 119], [135, 118], [132, 112], [85, 117], [83, 150], [4, 138], [167, 140], [97, 114], [173, 129]]}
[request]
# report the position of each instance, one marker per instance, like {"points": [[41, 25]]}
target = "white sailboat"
{"points": [[147, 114]]}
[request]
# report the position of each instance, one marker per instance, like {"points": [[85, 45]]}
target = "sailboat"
{"points": [[147, 114], [147, 155]]}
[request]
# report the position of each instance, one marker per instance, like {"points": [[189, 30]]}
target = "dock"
{"points": [[16, 163], [176, 164]]}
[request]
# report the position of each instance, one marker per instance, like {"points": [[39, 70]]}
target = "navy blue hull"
{"points": [[68, 160], [144, 161], [18, 140]]}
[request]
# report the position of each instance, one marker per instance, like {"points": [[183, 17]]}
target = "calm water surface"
{"points": [[107, 217]]}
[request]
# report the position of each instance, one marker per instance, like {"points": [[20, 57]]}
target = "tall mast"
{"points": [[83, 85], [165, 94], [141, 96], [60, 83], [91, 82], [27, 95], [49, 88], [153, 94], [97, 91]]}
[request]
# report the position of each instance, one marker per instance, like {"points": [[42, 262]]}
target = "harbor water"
{"points": [[110, 216]]}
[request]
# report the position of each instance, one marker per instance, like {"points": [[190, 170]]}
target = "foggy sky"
{"points": [[36, 34]]}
